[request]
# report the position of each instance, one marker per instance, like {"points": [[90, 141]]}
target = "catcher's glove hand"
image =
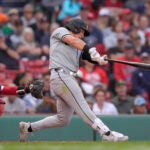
{"points": [[34, 87]]}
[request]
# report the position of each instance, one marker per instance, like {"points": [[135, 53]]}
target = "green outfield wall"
{"points": [[136, 127]]}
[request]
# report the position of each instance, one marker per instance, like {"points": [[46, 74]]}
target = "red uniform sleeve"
{"points": [[8, 90]]}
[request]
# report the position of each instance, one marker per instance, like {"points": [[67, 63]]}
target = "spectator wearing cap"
{"points": [[96, 36], [28, 18], [9, 28], [139, 107], [146, 46], [8, 56], [122, 71], [122, 101], [14, 39], [141, 79], [42, 29], [103, 20]]}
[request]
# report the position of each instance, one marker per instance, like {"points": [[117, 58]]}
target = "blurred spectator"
{"points": [[38, 16], [14, 39], [83, 12], [103, 21], [45, 42], [111, 40], [122, 71], [139, 107], [51, 8], [9, 28], [8, 56], [90, 75], [14, 105], [122, 101], [49, 99], [70, 8], [146, 46], [143, 27], [28, 48], [126, 17], [42, 29], [141, 80], [134, 38], [114, 3], [101, 106], [96, 36], [28, 18]]}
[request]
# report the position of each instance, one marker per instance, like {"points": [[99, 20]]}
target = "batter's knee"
{"points": [[64, 121]]}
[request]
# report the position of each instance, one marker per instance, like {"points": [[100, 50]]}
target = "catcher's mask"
{"points": [[75, 25]]}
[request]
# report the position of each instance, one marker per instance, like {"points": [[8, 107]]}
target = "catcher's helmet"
{"points": [[75, 25]]}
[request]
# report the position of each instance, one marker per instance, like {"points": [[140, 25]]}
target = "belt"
{"points": [[62, 70]]}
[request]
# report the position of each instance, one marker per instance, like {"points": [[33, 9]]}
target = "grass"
{"points": [[74, 146]]}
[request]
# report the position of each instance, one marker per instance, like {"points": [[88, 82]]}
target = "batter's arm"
{"points": [[74, 42]]}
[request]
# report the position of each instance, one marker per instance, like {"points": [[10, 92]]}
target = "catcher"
{"points": [[34, 87]]}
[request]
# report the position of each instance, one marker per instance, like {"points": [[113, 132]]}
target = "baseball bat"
{"points": [[134, 64]]}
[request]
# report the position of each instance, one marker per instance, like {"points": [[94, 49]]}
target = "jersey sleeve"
{"points": [[60, 33]]}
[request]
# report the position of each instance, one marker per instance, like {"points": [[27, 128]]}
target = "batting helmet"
{"points": [[75, 25]]}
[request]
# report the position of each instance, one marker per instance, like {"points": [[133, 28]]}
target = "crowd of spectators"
{"points": [[118, 28]]}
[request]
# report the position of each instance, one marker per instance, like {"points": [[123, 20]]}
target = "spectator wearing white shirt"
{"points": [[101, 106]]}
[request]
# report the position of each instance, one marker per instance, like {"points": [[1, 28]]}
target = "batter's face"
{"points": [[80, 35]]}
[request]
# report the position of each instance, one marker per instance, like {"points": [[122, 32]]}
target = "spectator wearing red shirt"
{"points": [[124, 72], [90, 75]]}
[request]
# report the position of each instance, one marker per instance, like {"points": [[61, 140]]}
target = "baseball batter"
{"points": [[66, 48]]}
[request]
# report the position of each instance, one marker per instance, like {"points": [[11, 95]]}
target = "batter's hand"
{"points": [[95, 56]]}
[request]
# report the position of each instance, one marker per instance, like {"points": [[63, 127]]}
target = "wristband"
{"points": [[86, 48]]}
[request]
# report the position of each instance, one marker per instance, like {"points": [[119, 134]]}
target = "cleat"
{"points": [[115, 137], [23, 129]]}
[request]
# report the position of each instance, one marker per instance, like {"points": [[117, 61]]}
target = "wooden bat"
{"points": [[134, 64]]}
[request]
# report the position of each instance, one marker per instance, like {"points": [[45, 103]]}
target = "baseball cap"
{"points": [[13, 11], [90, 16], [104, 12], [120, 82], [139, 101], [144, 54]]}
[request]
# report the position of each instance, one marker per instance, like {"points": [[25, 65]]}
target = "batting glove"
{"points": [[95, 56]]}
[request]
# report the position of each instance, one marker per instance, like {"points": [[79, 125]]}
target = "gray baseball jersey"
{"points": [[63, 55]]}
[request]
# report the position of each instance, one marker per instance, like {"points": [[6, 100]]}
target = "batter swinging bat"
{"points": [[134, 64]]}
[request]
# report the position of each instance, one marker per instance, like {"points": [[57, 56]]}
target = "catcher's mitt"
{"points": [[36, 87]]}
